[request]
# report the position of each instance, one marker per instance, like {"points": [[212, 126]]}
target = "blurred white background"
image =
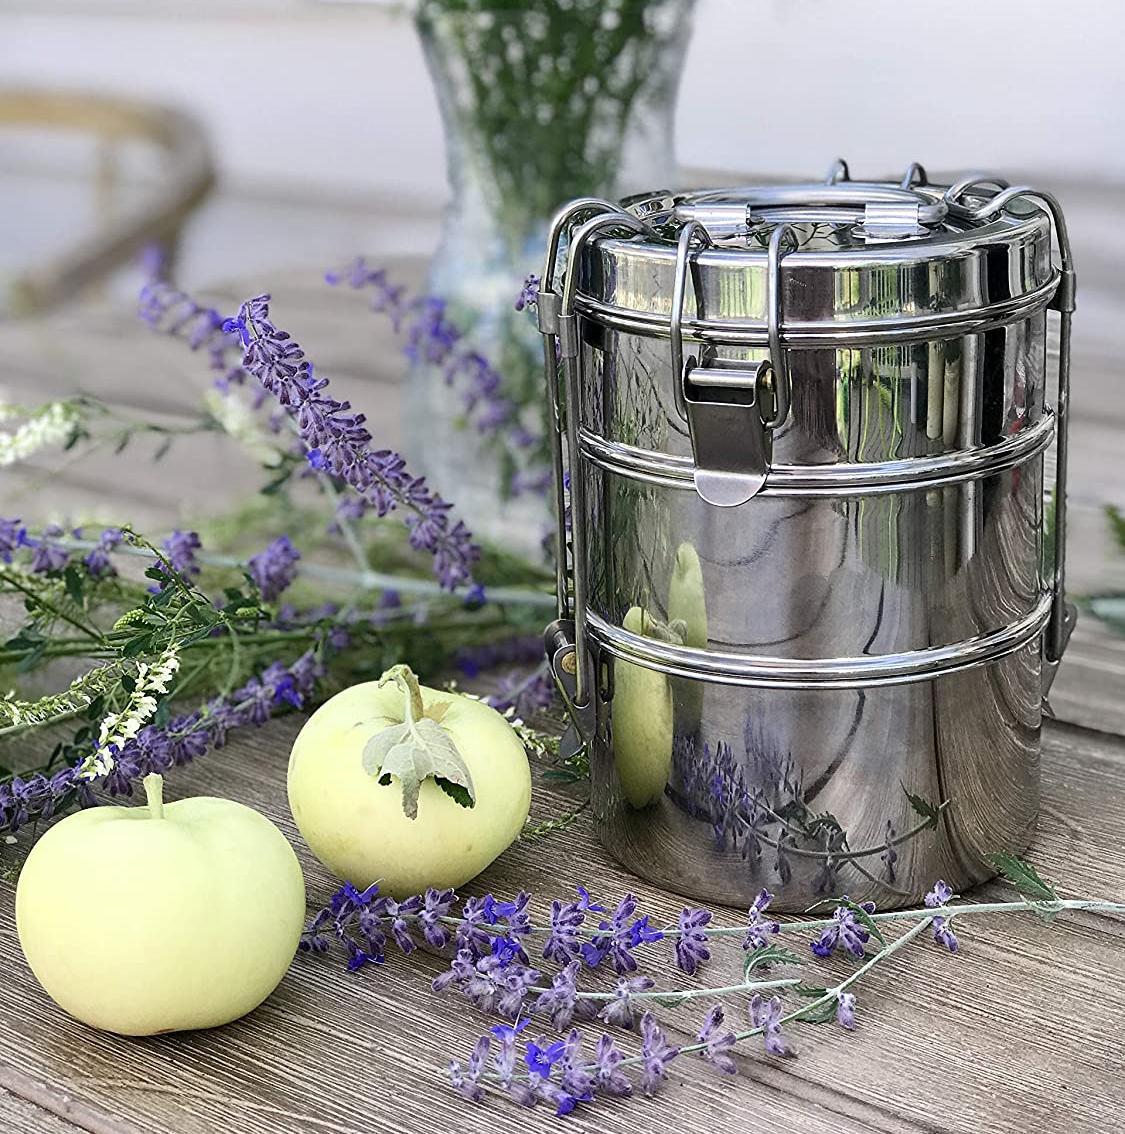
{"points": [[334, 96]]}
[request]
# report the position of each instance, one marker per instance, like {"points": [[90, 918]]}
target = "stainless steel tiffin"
{"points": [[811, 581]]}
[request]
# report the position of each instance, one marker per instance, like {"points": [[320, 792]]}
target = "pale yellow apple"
{"points": [[642, 722], [687, 603], [357, 826], [687, 611], [163, 917]]}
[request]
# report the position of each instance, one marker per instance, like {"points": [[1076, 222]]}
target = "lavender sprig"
{"points": [[491, 969], [25, 800], [174, 312], [337, 441], [432, 337]]}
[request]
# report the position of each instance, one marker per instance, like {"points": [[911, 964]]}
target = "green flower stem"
{"points": [[369, 580], [681, 996], [926, 913], [13, 580], [830, 994]]}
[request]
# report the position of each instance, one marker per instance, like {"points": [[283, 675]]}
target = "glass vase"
{"points": [[572, 98]]}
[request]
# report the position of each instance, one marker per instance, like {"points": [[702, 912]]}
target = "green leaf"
{"points": [[768, 955], [819, 1013], [672, 1000], [1117, 524], [137, 646], [812, 991], [72, 577], [456, 792], [413, 752], [923, 807], [1024, 877], [274, 486]]}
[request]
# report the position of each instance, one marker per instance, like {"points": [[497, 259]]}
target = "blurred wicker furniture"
{"points": [[187, 176]]}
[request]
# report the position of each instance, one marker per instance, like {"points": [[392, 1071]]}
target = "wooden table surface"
{"points": [[1020, 1030]]}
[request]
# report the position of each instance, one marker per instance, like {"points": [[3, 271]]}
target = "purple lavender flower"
{"points": [[341, 444], [472, 936], [586, 903], [540, 1059], [175, 313], [97, 559], [759, 928], [153, 749], [845, 1010], [313, 938], [432, 337], [563, 941], [494, 983], [437, 904], [691, 945], [657, 1053], [944, 935], [609, 1079], [524, 694], [576, 1076], [563, 1002], [13, 535], [529, 293], [401, 915], [181, 548], [516, 917], [507, 1035], [766, 1014], [466, 1079], [618, 936], [274, 568], [619, 1010], [717, 1043], [940, 895], [462, 968], [844, 931], [385, 297], [48, 557]]}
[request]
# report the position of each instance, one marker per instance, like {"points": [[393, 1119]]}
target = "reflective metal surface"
{"points": [[807, 614], [716, 792]]}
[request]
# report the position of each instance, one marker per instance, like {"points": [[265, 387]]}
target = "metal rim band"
{"points": [[832, 480], [971, 320], [821, 673]]}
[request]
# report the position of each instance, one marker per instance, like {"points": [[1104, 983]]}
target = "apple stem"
{"points": [[154, 792], [403, 676]]}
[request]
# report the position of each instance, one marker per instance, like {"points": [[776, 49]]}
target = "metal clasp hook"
{"points": [[731, 432]]}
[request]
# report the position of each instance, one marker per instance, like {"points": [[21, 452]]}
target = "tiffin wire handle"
{"points": [[558, 324], [1001, 195]]}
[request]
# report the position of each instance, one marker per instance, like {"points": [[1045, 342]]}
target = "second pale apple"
{"points": [[162, 918], [357, 818]]}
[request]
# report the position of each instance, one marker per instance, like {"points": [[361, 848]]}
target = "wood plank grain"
{"points": [[22, 1117], [1017, 1031]]}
